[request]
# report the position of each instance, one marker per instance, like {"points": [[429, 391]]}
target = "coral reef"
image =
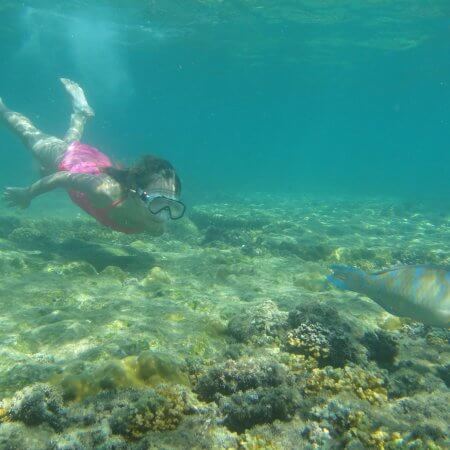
{"points": [[320, 332], [98, 437], [234, 376], [444, 373], [154, 409], [261, 324], [366, 385], [339, 419], [309, 339], [244, 410], [382, 347], [38, 404], [319, 312], [16, 435], [222, 334], [408, 379]]}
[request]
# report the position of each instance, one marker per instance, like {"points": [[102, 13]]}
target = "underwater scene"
{"points": [[224, 224]]}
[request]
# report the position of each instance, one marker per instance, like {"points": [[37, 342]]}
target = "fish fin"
{"points": [[346, 277], [412, 266]]}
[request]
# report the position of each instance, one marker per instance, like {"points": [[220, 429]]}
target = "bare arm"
{"points": [[98, 187]]}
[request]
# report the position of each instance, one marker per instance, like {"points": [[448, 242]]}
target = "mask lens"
{"points": [[176, 209]]}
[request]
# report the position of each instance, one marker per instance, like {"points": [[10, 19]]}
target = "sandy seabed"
{"points": [[221, 334]]}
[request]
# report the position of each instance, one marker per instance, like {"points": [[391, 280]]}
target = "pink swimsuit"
{"points": [[82, 158]]}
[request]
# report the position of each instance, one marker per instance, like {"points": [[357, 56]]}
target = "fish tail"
{"points": [[347, 278]]}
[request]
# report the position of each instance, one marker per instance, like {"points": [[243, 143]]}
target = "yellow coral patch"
{"points": [[166, 417], [250, 442], [157, 274], [365, 385], [391, 323], [175, 317], [148, 369], [3, 415]]}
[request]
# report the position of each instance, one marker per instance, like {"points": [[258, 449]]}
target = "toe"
{"points": [[69, 85]]}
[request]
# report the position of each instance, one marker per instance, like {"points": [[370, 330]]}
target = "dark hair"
{"points": [[143, 172]]}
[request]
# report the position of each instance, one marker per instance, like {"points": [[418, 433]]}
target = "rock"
{"points": [[156, 279], [114, 272], [157, 367], [112, 375]]}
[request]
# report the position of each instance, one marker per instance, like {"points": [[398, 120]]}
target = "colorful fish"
{"points": [[419, 292]]}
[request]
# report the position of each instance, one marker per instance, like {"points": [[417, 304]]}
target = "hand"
{"points": [[15, 196]]}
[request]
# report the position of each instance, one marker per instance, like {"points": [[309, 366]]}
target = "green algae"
{"points": [[229, 310]]}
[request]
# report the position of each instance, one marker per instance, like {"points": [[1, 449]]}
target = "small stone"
{"points": [[156, 278], [114, 272]]}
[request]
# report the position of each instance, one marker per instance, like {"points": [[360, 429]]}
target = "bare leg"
{"points": [[81, 111], [76, 128], [46, 149]]}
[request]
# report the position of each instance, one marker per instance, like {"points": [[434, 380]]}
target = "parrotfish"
{"points": [[421, 293]]}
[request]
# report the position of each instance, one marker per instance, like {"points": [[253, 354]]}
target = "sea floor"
{"points": [[221, 334]]}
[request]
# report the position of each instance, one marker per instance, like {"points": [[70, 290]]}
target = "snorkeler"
{"points": [[138, 199]]}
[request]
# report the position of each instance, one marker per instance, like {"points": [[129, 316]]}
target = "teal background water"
{"points": [[243, 96]]}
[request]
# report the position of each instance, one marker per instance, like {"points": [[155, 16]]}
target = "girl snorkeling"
{"points": [[141, 198]]}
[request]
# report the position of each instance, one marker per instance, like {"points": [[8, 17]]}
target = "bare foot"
{"points": [[79, 101], [15, 196]]}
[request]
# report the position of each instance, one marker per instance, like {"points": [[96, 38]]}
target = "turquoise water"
{"points": [[245, 96], [306, 134]]}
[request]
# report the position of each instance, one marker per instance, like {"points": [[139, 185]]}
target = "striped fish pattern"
{"points": [[419, 292]]}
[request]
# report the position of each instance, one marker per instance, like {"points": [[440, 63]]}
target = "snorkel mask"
{"points": [[162, 201]]}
